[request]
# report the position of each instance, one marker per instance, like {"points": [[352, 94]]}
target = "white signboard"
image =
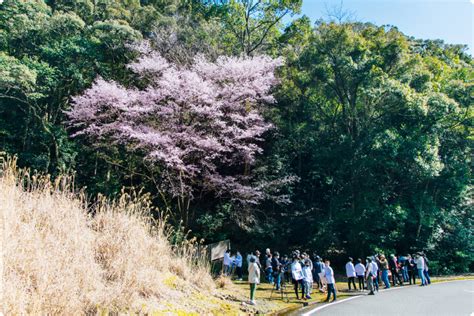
{"points": [[218, 249]]}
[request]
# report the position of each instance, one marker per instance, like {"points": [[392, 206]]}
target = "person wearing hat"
{"points": [[268, 268], [255, 255], [384, 268], [350, 273], [254, 278]]}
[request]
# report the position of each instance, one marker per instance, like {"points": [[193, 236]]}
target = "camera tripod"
{"points": [[281, 290]]}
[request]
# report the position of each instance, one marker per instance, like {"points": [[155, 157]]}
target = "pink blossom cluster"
{"points": [[200, 125]]}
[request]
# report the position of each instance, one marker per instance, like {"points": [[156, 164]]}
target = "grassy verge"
{"points": [[437, 279], [270, 302]]}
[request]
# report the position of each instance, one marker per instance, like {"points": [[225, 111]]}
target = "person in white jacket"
{"points": [[307, 279], [369, 275], [297, 275], [350, 273], [360, 273], [331, 282], [227, 263], [376, 274], [254, 278], [420, 265]]}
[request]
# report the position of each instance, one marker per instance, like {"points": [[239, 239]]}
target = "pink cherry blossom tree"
{"points": [[197, 127]]}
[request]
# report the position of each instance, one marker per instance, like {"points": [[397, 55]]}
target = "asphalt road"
{"points": [[450, 299]]}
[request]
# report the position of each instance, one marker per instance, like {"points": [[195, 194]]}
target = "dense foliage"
{"points": [[369, 133], [378, 129]]}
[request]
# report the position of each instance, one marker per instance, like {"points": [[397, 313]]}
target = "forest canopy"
{"points": [[246, 121]]}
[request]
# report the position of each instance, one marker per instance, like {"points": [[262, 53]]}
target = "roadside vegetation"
{"points": [[58, 258], [239, 120]]}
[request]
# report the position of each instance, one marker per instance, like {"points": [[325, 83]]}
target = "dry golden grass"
{"points": [[57, 259], [223, 282]]}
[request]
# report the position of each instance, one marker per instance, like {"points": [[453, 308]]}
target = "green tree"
{"points": [[379, 140], [253, 26], [49, 55]]}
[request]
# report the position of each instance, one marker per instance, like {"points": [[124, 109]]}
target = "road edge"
{"points": [[316, 309]]}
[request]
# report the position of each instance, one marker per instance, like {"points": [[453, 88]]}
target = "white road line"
{"points": [[345, 300], [311, 312]]}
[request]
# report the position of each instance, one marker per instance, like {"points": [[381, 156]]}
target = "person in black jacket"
{"points": [[412, 271], [392, 263], [284, 268], [276, 267], [318, 268]]}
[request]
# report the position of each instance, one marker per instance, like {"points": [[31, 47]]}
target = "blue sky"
{"points": [[449, 20]]}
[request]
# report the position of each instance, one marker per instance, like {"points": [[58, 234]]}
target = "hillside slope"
{"points": [[58, 259]]}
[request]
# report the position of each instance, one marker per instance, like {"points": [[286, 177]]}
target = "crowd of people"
{"points": [[306, 273], [401, 270]]}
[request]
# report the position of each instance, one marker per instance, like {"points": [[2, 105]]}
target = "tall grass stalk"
{"points": [[56, 258]]}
